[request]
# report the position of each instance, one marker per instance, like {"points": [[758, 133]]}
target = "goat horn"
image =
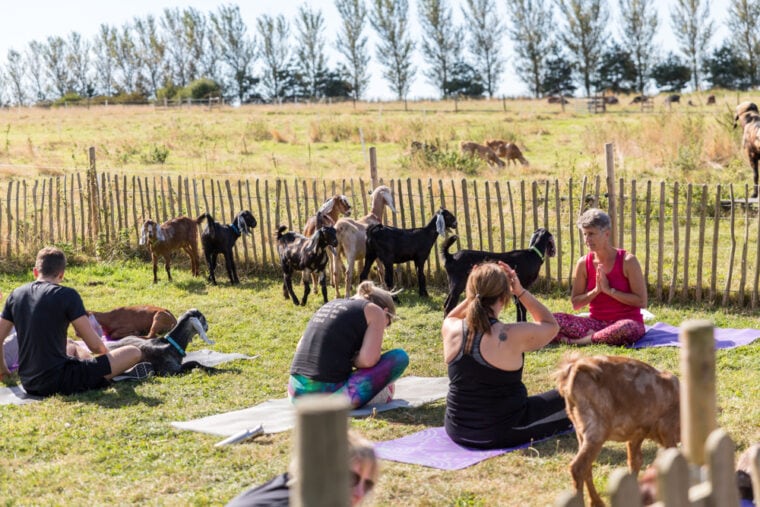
{"points": [[201, 332]]}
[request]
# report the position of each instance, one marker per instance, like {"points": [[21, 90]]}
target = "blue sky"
{"points": [[22, 22]]}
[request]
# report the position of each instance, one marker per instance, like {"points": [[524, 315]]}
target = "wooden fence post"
{"points": [[698, 417], [611, 208], [373, 166], [321, 447], [93, 198]]}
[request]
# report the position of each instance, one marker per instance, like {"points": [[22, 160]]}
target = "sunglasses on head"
{"points": [[356, 479]]}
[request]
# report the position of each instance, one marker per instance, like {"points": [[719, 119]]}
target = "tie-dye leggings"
{"points": [[362, 385], [612, 332]]}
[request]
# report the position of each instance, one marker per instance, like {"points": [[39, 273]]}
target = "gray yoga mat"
{"points": [[279, 415]]}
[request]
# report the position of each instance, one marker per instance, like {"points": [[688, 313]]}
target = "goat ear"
{"points": [[440, 224], [241, 224], [389, 201], [160, 234], [201, 332], [143, 236], [327, 206]]}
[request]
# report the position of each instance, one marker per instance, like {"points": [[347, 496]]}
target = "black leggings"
{"points": [[544, 416]]}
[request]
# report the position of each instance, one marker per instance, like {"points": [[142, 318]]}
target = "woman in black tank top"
{"points": [[488, 406]]}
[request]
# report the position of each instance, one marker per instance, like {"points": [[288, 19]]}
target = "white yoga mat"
{"points": [[279, 415]]}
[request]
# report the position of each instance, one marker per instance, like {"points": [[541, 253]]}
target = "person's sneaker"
{"points": [[140, 371]]}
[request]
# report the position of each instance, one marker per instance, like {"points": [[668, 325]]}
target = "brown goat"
{"points": [[331, 210], [145, 321], [619, 399], [506, 150], [178, 233], [710, 100], [470, 148], [748, 117]]}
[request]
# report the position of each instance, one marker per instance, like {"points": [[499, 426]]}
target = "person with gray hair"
{"points": [[340, 350], [610, 281]]}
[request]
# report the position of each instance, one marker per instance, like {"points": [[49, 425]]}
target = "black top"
{"points": [[483, 400], [41, 312], [274, 493], [331, 341]]}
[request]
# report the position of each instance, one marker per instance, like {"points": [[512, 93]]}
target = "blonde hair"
{"points": [[381, 297], [359, 450], [486, 285]]}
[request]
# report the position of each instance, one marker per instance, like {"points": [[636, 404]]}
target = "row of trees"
{"points": [[557, 45]]}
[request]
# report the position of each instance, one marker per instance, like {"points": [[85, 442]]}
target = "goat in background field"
{"points": [[748, 117], [619, 399], [508, 151], [471, 148], [176, 234], [218, 239], [352, 236]]}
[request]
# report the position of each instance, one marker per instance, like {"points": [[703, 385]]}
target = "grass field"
{"points": [[117, 447]]}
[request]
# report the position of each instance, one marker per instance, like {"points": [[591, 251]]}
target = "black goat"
{"points": [[218, 239], [299, 253], [165, 354], [526, 263], [392, 246]]}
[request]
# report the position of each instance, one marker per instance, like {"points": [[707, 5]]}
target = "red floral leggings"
{"points": [[612, 332]]}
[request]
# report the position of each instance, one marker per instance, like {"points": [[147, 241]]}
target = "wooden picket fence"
{"points": [[691, 247]]}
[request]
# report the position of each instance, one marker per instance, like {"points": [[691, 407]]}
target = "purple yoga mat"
{"points": [[665, 335], [433, 448]]}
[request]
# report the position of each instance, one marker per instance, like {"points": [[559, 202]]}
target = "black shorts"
{"points": [[78, 375]]}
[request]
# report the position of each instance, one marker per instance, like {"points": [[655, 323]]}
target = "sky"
{"points": [[25, 21]]}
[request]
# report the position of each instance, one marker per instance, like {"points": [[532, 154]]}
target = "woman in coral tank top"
{"points": [[611, 283]]}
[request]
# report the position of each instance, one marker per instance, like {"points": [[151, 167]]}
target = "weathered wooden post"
{"points": [[698, 416], [373, 166], [321, 447], [92, 187], [608, 150]]}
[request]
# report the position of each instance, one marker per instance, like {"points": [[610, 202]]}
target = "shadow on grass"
{"points": [[118, 395]]}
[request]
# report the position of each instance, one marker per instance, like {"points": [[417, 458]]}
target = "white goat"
{"points": [[352, 236]]}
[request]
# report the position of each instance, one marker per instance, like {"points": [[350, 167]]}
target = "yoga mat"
{"points": [[665, 335], [433, 448], [279, 415], [15, 395]]}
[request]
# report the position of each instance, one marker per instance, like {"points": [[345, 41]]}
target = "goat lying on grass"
{"points": [[352, 236], [470, 148], [165, 354], [391, 245], [176, 234], [218, 239], [508, 151], [299, 253], [748, 117], [144, 320], [526, 263], [619, 399]]}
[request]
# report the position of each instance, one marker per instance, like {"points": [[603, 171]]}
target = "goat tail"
{"points": [[446, 245], [205, 216], [572, 364], [281, 230]]}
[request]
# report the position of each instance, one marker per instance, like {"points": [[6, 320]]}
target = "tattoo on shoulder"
{"points": [[503, 336]]}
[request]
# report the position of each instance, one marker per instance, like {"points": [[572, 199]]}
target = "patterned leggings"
{"points": [[362, 385], [612, 332]]}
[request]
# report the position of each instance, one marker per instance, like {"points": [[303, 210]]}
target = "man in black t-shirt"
{"points": [[41, 312]]}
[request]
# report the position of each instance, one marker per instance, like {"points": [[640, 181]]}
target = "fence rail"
{"points": [[690, 244]]}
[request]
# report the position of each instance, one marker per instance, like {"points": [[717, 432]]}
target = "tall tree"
{"points": [[78, 61], [584, 34], [178, 54], [557, 77], [105, 50], [54, 56], [352, 44], [742, 26], [441, 42], [693, 28], [275, 51], [310, 25], [616, 71], [671, 74], [531, 30], [727, 69], [14, 73], [150, 50], [127, 61], [638, 27], [201, 45], [394, 50], [484, 41], [238, 50], [35, 70]]}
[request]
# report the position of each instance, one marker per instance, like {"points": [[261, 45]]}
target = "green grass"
{"points": [[117, 447]]}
